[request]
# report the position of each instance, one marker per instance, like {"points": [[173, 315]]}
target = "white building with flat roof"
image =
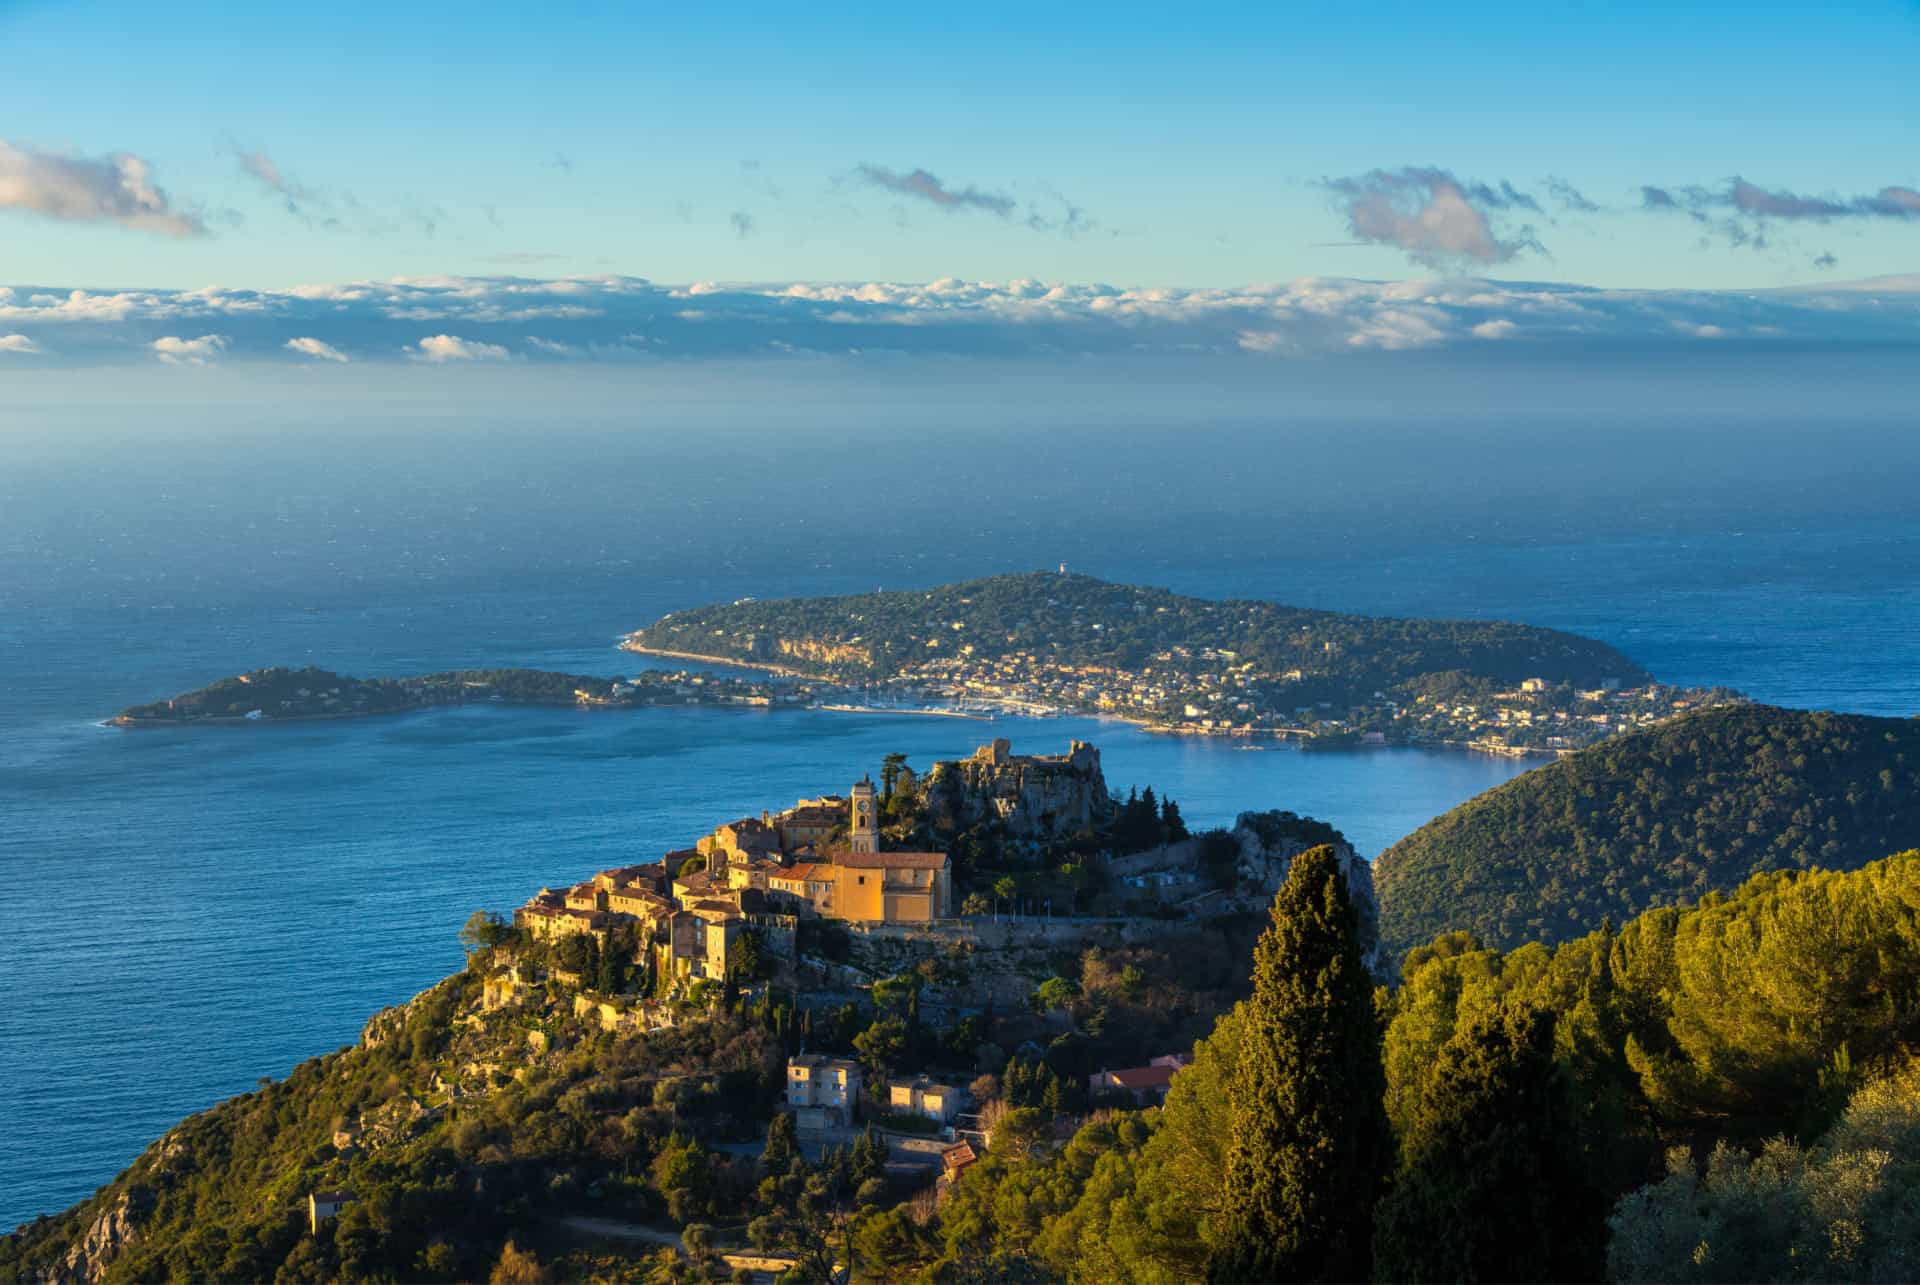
{"points": [[822, 1092]]}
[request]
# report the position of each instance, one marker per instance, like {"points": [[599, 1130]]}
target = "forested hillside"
{"points": [[1653, 818], [1497, 1116], [1532, 1094]]}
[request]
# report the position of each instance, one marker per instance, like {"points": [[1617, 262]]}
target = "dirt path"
{"points": [[621, 1231]]}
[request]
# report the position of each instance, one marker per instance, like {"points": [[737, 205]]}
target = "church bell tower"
{"points": [[864, 832]]}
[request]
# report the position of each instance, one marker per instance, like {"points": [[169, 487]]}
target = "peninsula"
{"points": [[1054, 642]]}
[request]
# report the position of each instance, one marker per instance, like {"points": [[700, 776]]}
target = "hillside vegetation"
{"points": [[1080, 620], [1656, 817], [1498, 1116], [1532, 1094]]}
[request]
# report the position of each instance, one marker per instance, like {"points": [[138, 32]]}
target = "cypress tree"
{"points": [[783, 1144], [1494, 1186], [1309, 1144]]}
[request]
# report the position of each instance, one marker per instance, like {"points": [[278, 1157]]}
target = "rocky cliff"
{"points": [[1269, 841], [1034, 796]]}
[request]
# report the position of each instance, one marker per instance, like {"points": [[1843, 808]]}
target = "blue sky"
{"points": [[1700, 148], [1193, 139]]}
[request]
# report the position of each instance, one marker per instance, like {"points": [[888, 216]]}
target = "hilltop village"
{"points": [[1031, 836], [819, 859]]}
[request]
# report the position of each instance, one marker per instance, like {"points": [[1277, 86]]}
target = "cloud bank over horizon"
{"points": [[452, 321]]}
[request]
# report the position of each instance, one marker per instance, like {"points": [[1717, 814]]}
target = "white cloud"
{"points": [[80, 189], [18, 343], [1397, 329], [176, 351], [454, 348], [78, 305], [310, 347], [602, 319]]}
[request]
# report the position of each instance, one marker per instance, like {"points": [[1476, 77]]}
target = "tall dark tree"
{"points": [[890, 772], [1173, 827], [783, 1144], [1494, 1185], [1309, 1146]]}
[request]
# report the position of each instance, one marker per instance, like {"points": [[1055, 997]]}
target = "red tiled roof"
{"points": [[1140, 1077], [801, 872]]}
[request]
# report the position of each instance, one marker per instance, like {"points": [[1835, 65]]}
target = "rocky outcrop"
{"points": [[115, 1228], [1034, 796], [840, 655], [1269, 841]]}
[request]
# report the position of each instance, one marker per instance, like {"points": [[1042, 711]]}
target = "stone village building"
{"points": [[764, 873]]}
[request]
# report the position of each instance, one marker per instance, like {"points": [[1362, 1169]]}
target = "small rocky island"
{"points": [[281, 694]]}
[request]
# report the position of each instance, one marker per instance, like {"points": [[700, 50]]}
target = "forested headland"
{"points": [[1193, 665]]}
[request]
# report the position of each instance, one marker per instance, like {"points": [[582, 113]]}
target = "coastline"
{"points": [[1286, 736]]}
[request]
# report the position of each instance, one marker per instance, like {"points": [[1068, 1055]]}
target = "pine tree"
{"points": [[1309, 1144], [1494, 1186]]}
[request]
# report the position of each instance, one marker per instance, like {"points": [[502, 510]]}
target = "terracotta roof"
{"points": [[891, 860], [651, 902], [627, 874], [959, 1155], [808, 870], [1140, 1077]]}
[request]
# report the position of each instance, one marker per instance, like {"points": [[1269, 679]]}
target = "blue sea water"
{"points": [[191, 910]]}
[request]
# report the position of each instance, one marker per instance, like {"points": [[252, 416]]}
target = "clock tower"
{"points": [[864, 830]]}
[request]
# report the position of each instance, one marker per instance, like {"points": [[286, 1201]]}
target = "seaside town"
{"points": [[1209, 692]]}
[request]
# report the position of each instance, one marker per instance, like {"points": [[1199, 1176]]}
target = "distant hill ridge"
{"points": [[1656, 817]]}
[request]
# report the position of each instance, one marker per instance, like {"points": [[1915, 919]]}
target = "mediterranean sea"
{"points": [[191, 910]]}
